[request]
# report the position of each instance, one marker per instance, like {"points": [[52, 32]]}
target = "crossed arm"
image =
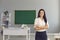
{"points": [[41, 27]]}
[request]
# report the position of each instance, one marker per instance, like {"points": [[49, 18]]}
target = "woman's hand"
{"points": [[46, 26]]}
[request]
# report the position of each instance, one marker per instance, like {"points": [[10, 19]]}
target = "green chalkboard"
{"points": [[25, 16]]}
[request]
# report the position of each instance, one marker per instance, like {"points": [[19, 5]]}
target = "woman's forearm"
{"points": [[41, 27]]}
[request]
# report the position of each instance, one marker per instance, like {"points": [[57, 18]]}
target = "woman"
{"points": [[41, 25]]}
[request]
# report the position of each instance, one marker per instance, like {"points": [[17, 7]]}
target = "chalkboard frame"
{"points": [[33, 11]]}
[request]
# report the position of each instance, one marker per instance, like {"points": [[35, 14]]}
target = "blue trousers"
{"points": [[41, 36]]}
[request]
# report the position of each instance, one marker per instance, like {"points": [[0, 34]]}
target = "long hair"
{"points": [[44, 17]]}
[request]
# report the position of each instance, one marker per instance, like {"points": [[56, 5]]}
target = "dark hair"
{"points": [[45, 19]]}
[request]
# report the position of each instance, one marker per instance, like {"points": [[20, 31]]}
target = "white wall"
{"points": [[59, 12], [51, 7]]}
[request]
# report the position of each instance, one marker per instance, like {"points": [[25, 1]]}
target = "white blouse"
{"points": [[39, 23]]}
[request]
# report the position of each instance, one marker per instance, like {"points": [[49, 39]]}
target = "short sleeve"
{"points": [[35, 22], [48, 24]]}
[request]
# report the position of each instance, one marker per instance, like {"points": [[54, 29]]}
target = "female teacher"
{"points": [[41, 25]]}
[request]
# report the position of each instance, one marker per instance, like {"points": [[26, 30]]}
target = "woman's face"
{"points": [[41, 13]]}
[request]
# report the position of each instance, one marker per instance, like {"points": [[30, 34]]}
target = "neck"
{"points": [[41, 17]]}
